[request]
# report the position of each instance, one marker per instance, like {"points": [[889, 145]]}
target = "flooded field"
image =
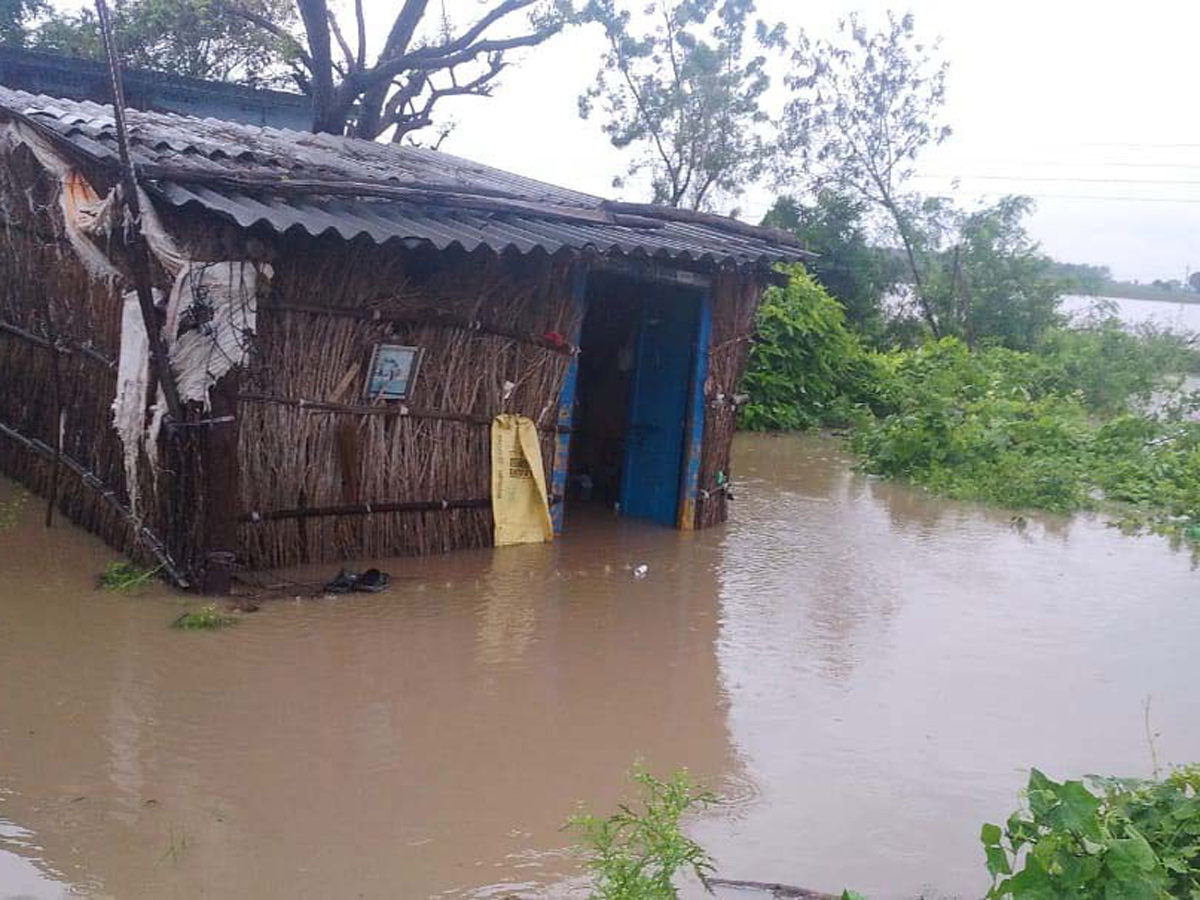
{"points": [[1174, 316], [865, 672]]}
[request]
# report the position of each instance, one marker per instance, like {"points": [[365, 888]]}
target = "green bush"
{"points": [[1111, 366], [1062, 429], [806, 368], [635, 854], [1079, 420], [1106, 839]]}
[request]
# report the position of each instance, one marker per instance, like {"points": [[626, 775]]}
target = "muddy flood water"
{"points": [[864, 672]]}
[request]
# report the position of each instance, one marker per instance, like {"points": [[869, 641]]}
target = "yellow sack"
{"points": [[520, 504]]}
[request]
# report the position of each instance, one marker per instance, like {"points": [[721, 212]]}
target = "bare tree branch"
{"points": [[485, 22], [423, 61], [477, 87], [403, 97], [362, 34], [404, 28], [351, 59]]}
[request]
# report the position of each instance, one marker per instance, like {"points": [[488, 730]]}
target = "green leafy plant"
{"points": [[636, 853], [856, 273], [806, 368], [204, 618], [1103, 838], [124, 575]]}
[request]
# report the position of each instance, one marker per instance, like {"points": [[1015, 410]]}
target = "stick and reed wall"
{"points": [[59, 345], [735, 300], [327, 473]]}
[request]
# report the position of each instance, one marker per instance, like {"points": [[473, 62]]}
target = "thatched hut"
{"points": [[345, 320]]}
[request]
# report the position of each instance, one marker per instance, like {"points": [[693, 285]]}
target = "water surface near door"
{"points": [[864, 671]]}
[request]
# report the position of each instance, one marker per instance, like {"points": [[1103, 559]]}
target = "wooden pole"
{"points": [[56, 363], [220, 487], [216, 577], [139, 257]]}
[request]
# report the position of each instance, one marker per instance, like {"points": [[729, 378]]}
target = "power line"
{"points": [[1064, 178], [1116, 199], [1146, 145], [1090, 164]]}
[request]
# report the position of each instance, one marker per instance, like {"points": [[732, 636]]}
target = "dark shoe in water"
{"points": [[372, 581], [342, 584]]}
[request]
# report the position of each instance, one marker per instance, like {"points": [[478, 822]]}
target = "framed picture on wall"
{"points": [[392, 372]]}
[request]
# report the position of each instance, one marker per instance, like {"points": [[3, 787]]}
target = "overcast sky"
{"points": [[1101, 93], [1089, 106]]}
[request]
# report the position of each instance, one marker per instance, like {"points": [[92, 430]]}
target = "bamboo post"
{"points": [[217, 444], [56, 377], [220, 488], [139, 256]]}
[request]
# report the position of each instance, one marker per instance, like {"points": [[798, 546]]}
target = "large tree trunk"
{"points": [[370, 113], [315, 15]]}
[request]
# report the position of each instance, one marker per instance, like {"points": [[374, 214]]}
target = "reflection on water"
{"points": [[900, 661], [865, 670], [20, 878], [430, 740]]}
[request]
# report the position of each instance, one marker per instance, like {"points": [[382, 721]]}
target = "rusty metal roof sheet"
{"points": [[317, 184]]}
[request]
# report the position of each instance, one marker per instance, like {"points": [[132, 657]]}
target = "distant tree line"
{"points": [[1099, 281]]}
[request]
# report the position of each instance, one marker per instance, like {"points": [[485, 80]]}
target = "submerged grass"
{"points": [[206, 618], [124, 575], [10, 510]]}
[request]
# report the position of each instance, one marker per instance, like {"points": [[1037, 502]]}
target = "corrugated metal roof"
{"points": [[317, 184]]}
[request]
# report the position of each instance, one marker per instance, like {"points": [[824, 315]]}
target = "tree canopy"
{"points": [[196, 38], [991, 281], [863, 106], [856, 273], [15, 19], [424, 58], [357, 89], [680, 88]]}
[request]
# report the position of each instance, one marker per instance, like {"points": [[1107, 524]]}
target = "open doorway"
{"points": [[638, 372]]}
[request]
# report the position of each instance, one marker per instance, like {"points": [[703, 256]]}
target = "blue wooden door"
{"points": [[658, 407]]}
